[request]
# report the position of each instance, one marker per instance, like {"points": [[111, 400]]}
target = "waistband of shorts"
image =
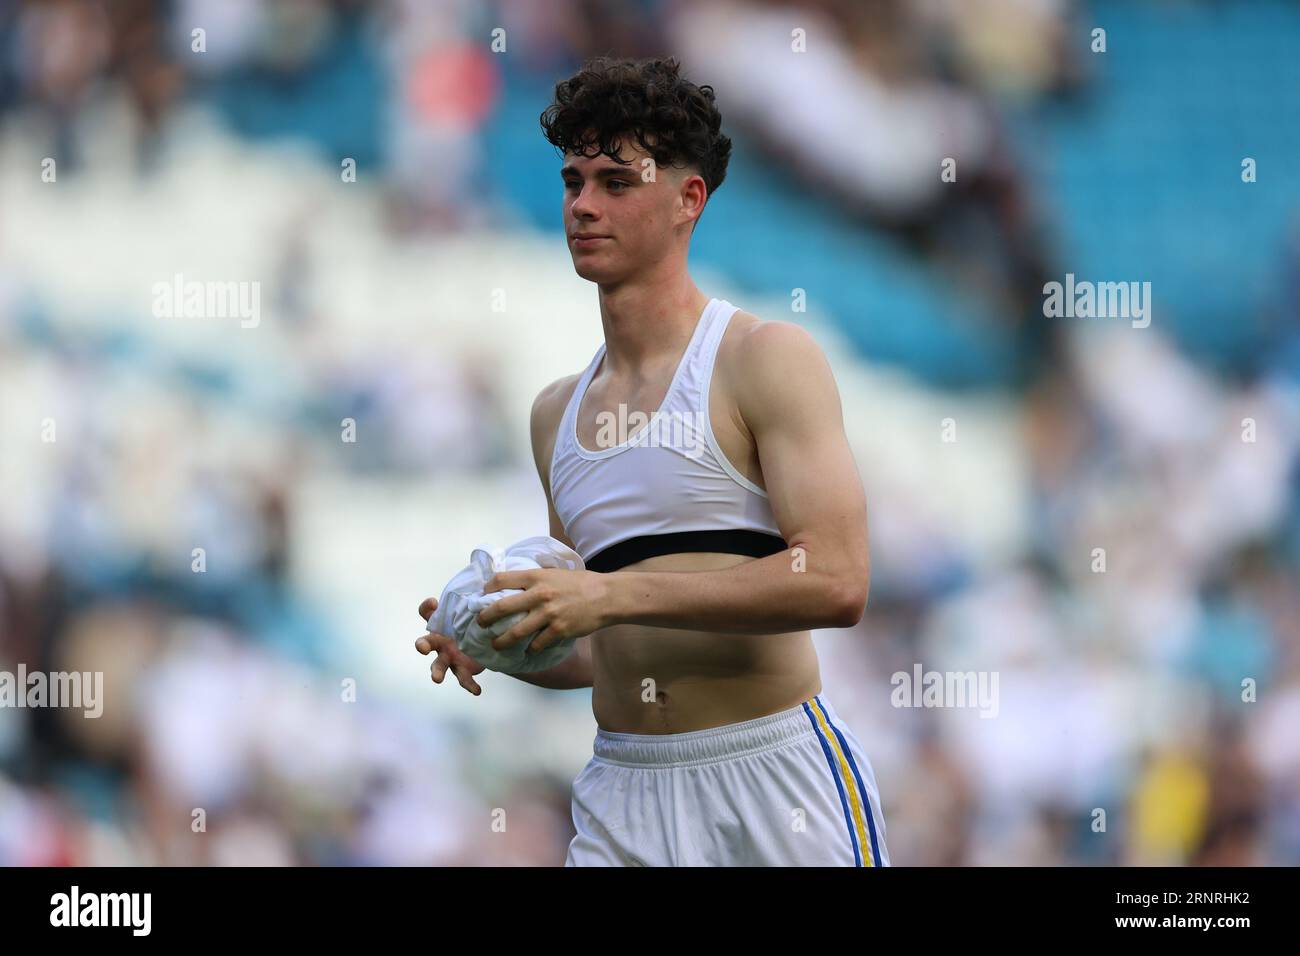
{"points": [[713, 745]]}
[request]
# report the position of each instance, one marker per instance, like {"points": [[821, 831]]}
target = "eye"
{"points": [[619, 183], [570, 184]]}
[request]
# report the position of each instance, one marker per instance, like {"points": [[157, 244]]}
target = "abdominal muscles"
{"points": [[667, 680]]}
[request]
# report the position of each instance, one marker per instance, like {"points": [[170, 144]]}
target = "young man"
{"points": [[715, 534]]}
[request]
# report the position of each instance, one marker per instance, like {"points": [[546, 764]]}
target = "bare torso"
{"points": [[654, 680]]}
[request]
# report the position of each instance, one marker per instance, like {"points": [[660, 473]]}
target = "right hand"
{"points": [[449, 655]]}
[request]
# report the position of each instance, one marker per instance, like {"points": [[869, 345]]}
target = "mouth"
{"points": [[587, 242]]}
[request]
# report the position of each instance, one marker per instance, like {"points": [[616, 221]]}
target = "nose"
{"points": [[584, 206]]}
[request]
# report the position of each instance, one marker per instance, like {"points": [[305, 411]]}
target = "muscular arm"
{"points": [[787, 397]]}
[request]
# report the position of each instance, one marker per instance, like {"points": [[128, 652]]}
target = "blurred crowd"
{"points": [[1146, 633], [1160, 686]]}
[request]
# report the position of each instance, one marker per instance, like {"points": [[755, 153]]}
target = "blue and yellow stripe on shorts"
{"points": [[848, 781]]}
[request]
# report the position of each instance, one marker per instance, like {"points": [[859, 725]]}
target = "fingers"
{"points": [[529, 625], [524, 601], [433, 642], [460, 667], [438, 669], [468, 682], [428, 606], [542, 641], [448, 658], [506, 580]]}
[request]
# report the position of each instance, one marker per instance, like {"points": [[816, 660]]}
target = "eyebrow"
{"points": [[605, 172]]}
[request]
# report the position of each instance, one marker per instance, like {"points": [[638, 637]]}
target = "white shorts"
{"points": [[791, 789]]}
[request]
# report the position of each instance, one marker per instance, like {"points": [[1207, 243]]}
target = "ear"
{"points": [[694, 194]]}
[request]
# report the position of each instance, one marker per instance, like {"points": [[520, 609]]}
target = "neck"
{"points": [[648, 323]]}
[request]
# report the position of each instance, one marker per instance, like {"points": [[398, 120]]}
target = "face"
{"points": [[621, 219]]}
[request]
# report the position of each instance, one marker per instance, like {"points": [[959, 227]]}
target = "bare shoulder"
{"points": [[761, 353], [774, 371], [548, 406], [544, 421]]}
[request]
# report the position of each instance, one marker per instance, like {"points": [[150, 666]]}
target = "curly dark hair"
{"points": [[671, 118]]}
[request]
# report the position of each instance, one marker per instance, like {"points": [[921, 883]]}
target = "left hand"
{"points": [[560, 604]]}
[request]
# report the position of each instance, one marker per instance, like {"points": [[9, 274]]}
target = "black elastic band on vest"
{"points": [[756, 544]]}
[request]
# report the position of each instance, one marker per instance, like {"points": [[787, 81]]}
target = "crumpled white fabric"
{"points": [[463, 598]]}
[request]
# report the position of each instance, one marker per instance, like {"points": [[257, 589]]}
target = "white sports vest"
{"points": [[667, 490]]}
